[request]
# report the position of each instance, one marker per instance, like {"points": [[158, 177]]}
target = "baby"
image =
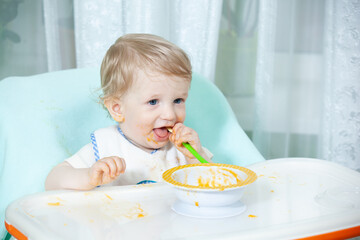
{"points": [[145, 82]]}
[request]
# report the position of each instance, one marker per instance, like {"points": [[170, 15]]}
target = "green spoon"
{"points": [[191, 150]]}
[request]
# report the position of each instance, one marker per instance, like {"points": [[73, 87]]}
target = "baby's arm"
{"points": [[180, 134], [64, 176]]}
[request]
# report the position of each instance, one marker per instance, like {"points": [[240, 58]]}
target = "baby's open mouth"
{"points": [[161, 133]]}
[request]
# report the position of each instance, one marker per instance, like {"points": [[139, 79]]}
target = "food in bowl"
{"points": [[209, 177], [209, 184]]}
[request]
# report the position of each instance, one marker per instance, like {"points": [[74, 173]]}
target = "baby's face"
{"points": [[153, 103]]}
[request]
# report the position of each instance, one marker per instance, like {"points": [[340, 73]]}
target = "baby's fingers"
{"points": [[102, 168], [186, 134], [110, 162], [120, 165], [115, 165], [99, 173]]}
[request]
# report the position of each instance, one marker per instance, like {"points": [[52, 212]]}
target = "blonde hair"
{"points": [[133, 52]]}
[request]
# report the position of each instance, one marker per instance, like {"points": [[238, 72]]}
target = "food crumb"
{"points": [[30, 214], [54, 204], [252, 216], [135, 212], [197, 204], [272, 191], [108, 196]]}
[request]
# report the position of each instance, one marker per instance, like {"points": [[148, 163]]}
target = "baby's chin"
{"points": [[153, 144]]}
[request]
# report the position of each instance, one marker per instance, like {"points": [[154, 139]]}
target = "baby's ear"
{"points": [[113, 105]]}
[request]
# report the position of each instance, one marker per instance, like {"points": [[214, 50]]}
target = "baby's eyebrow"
{"points": [[185, 93], [155, 96]]}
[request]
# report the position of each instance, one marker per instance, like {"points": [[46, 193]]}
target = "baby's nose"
{"points": [[168, 113]]}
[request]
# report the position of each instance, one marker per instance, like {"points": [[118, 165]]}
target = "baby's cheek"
{"points": [[181, 119], [142, 129]]}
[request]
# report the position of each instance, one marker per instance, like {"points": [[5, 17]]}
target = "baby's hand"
{"points": [[180, 134], [106, 170]]}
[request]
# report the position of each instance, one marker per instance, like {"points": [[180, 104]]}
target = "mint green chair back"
{"points": [[46, 118]]}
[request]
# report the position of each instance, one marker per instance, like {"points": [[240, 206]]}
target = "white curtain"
{"points": [[62, 34], [192, 25], [340, 137], [59, 34], [307, 92], [21, 50], [41, 37], [289, 68], [289, 78], [270, 68]]}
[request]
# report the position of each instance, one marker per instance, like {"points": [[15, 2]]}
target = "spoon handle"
{"points": [[194, 152], [191, 149]]}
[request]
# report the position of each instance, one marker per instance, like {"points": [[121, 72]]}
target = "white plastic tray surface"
{"points": [[292, 198]]}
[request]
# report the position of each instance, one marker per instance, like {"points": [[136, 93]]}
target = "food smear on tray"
{"points": [[124, 211], [135, 212], [54, 204]]}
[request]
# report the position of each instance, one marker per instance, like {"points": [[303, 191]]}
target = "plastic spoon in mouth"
{"points": [[191, 150]]}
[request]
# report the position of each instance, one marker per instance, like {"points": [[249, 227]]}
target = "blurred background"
{"points": [[290, 69]]}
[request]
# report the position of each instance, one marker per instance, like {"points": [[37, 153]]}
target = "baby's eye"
{"points": [[153, 102], [178, 100]]}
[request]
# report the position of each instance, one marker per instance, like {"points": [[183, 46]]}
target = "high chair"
{"points": [[48, 117]]}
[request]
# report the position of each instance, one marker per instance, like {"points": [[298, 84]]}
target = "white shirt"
{"points": [[140, 165]]}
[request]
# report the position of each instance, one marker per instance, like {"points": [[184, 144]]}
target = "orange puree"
{"points": [[150, 138], [108, 196], [135, 212], [219, 178], [54, 204]]}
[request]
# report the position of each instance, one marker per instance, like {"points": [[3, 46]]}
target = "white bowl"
{"points": [[209, 185]]}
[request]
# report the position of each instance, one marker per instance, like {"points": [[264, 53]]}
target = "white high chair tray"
{"points": [[292, 198]]}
